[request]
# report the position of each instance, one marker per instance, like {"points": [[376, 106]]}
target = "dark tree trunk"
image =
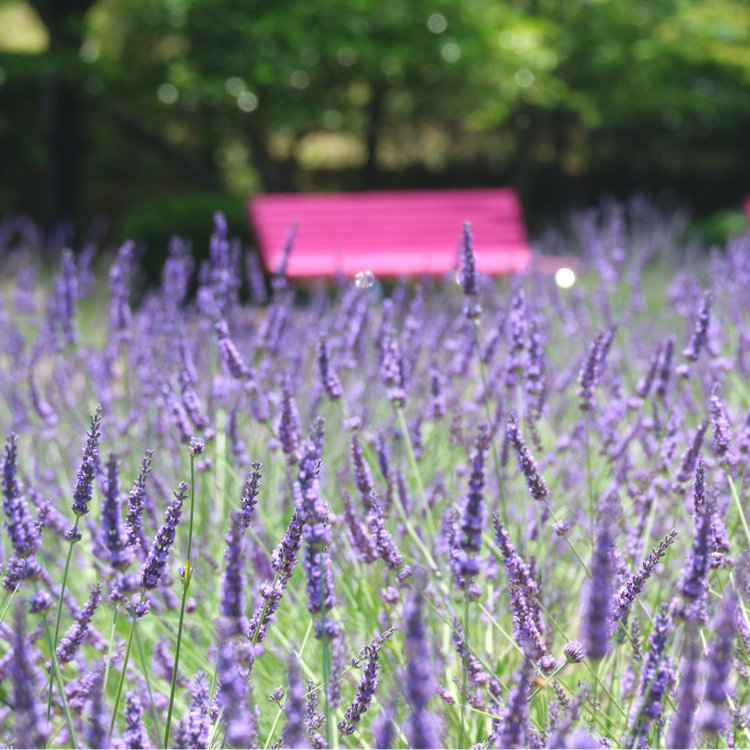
{"points": [[61, 110], [277, 177], [375, 112]]}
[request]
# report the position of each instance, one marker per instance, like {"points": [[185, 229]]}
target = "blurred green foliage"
{"points": [[567, 101]]}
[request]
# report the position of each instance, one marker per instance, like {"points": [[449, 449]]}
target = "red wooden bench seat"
{"points": [[390, 233]]}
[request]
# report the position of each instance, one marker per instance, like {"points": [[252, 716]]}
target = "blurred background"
{"points": [[152, 114]]}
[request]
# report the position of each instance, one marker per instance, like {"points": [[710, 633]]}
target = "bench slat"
{"points": [[391, 232]]}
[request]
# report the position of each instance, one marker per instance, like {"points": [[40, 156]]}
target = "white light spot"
{"points": [[436, 23], [565, 277], [167, 93], [364, 279], [299, 80], [451, 52], [89, 52], [247, 101], [234, 86], [524, 77]]}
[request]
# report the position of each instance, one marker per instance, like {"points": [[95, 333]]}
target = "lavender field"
{"points": [[460, 512]]}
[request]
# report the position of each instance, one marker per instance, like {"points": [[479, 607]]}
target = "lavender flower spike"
{"points": [[328, 376], [515, 727], [526, 463], [596, 618], [113, 535], [365, 692], [134, 736], [593, 366], [473, 517], [153, 567], [713, 715], [700, 335], [30, 725], [695, 573], [71, 641], [720, 425], [87, 472], [294, 732], [22, 530], [422, 729], [134, 520], [681, 731], [232, 604], [468, 275]]}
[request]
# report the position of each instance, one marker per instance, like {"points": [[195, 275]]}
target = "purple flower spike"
{"points": [[153, 568], [473, 516], [87, 471], [656, 679], [30, 726], [681, 731], [713, 716], [71, 641], [695, 573], [593, 367], [700, 334], [328, 376], [526, 463], [24, 532], [365, 692], [134, 736], [113, 534], [134, 521], [515, 730], [597, 612], [290, 427], [294, 732], [422, 730], [468, 275], [721, 427]]}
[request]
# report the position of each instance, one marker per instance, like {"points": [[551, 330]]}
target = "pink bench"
{"points": [[390, 233]]}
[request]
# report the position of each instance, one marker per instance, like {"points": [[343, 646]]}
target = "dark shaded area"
{"points": [[155, 114]]}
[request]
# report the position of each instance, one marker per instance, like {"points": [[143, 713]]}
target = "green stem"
{"points": [[185, 585], [397, 500], [152, 704], [177, 654], [465, 665], [124, 670], [495, 454], [589, 475], [10, 599], [55, 671], [109, 650], [738, 503], [59, 613], [326, 670]]}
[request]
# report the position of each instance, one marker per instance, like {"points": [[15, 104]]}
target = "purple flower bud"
{"points": [[197, 446], [113, 534], [574, 651]]}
